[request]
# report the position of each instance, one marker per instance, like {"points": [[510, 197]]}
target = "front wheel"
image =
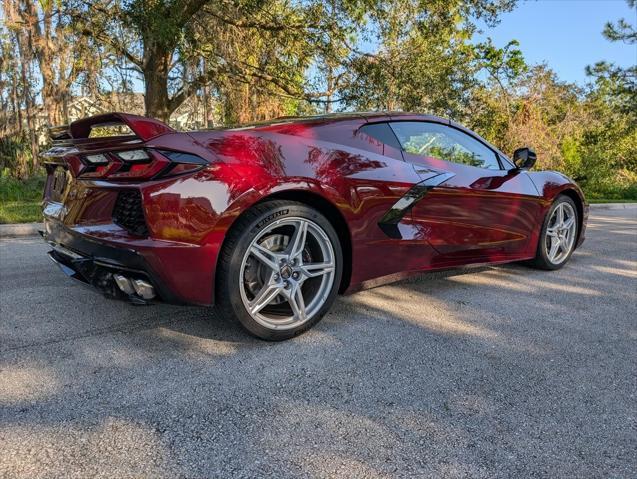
{"points": [[558, 235], [279, 269]]}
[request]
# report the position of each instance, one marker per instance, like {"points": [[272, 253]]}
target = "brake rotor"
{"points": [[256, 274]]}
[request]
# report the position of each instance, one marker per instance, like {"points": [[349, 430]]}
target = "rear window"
{"points": [[110, 129], [381, 132]]}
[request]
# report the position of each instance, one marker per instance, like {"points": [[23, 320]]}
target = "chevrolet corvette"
{"points": [[270, 222]]}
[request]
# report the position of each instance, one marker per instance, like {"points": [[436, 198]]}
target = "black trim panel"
{"points": [[389, 222]]}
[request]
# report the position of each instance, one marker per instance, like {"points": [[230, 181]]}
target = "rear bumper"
{"points": [[179, 273], [100, 275]]}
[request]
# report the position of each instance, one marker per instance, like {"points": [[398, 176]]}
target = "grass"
{"points": [[596, 200], [20, 200], [20, 212]]}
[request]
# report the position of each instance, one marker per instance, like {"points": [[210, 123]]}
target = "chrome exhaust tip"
{"points": [[143, 288], [133, 287], [124, 284]]}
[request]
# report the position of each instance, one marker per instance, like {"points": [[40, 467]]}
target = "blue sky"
{"points": [[566, 34]]}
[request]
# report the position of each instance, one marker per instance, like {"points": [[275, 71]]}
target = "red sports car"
{"points": [[271, 221]]}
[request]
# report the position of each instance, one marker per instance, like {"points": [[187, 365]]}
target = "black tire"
{"points": [[238, 240], [541, 260]]}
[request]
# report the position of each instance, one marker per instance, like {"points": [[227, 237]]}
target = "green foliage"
{"points": [[572, 157], [424, 63], [621, 83], [502, 64], [622, 30], [12, 189], [20, 212], [20, 200], [15, 155], [610, 138], [585, 133]]}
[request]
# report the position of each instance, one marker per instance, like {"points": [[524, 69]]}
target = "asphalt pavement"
{"points": [[495, 372]]}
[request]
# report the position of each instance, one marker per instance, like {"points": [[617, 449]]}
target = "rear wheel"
{"points": [[558, 235], [279, 269]]}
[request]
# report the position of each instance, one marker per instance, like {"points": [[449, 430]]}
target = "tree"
{"points": [[46, 35], [623, 30], [23, 87], [612, 99], [502, 65], [622, 80], [160, 38], [425, 61], [147, 34], [257, 73]]}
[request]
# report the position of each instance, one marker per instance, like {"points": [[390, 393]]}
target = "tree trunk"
{"points": [[329, 78], [42, 43], [33, 141], [206, 102], [156, 97], [17, 109], [156, 68], [206, 107], [25, 61]]}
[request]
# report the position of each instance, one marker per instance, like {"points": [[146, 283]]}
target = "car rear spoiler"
{"points": [[79, 132], [76, 138]]}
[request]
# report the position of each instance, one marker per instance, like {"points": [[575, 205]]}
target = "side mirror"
{"points": [[524, 158]]}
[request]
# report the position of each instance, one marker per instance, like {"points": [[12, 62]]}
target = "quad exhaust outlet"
{"points": [[134, 286]]}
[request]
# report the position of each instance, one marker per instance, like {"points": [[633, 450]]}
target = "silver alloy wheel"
{"points": [[295, 268], [560, 233]]}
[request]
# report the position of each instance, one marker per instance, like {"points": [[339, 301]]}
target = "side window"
{"points": [[381, 132], [443, 142]]}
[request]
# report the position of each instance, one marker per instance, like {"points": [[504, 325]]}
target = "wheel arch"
{"points": [[327, 209], [579, 204], [333, 215]]}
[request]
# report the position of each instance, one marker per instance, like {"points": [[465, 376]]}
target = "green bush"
{"points": [[16, 156], [12, 189], [20, 212], [617, 193]]}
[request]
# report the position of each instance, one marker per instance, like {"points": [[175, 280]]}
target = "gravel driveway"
{"points": [[495, 372]]}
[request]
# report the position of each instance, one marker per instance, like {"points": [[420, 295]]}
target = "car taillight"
{"points": [[97, 160], [181, 162], [139, 164], [133, 156]]}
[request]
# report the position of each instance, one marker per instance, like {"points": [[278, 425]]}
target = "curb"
{"points": [[20, 230], [31, 229], [613, 206]]}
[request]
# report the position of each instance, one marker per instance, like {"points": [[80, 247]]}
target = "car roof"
{"points": [[364, 117]]}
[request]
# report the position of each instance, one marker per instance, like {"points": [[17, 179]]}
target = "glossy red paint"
{"points": [[476, 216]]}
